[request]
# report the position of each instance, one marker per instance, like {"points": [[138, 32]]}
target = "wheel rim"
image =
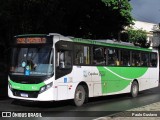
{"points": [[135, 89], [79, 95]]}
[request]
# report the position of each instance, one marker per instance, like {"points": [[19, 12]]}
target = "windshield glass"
{"points": [[32, 61]]}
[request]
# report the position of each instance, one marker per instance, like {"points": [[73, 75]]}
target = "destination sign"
{"points": [[31, 40]]}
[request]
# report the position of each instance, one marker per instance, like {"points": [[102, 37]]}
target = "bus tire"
{"points": [[134, 89], [79, 96]]}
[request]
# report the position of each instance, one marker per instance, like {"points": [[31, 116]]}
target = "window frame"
{"points": [[106, 48], [105, 57], [156, 59], [90, 54], [59, 72], [148, 59]]}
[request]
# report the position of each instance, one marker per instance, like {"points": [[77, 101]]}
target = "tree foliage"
{"points": [[138, 37], [95, 19], [123, 8]]}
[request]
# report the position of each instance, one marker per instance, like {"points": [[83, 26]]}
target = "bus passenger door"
{"points": [[63, 59], [63, 68]]}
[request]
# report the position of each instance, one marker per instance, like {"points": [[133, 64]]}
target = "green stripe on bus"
{"points": [[26, 87], [115, 79], [129, 72], [88, 41], [31, 35]]}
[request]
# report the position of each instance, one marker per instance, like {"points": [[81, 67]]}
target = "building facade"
{"points": [[152, 29]]}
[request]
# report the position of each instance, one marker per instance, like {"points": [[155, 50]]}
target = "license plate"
{"points": [[24, 95]]}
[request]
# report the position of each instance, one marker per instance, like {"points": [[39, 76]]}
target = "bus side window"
{"points": [[99, 57], [113, 57], [145, 59], [125, 58], [153, 59], [136, 57], [82, 55], [64, 60]]}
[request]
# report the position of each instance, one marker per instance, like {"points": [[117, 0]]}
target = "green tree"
{"points": [[138, 37], [120, 11], [95, 19]]}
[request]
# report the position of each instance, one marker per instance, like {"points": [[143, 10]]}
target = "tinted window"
{"points": [[125, 58], [82, 54], [64, 59], [144, 59], [99, 56], [153, 60], [113, 57], [136, 57]]}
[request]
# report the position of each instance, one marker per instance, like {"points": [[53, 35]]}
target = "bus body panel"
{"points": [[98, 87]]}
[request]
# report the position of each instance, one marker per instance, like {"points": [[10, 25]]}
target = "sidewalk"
{"points": [[140, 113]]}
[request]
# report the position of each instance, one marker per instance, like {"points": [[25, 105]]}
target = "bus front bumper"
{"points": [[47, 95]]}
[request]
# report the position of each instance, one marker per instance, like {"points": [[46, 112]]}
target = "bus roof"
{"points": [[110, 44], [31, 35], [94, 42]]}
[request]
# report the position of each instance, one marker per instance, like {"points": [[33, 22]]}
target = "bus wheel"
{"points": [[79, 97], [134, 89]]}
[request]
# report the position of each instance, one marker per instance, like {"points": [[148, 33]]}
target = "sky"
{"points": [[146, 10]]}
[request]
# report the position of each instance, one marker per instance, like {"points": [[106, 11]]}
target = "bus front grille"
{"points": [[26, 94]]}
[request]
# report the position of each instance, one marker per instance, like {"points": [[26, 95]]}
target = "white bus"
{"points": [[54, 67]]}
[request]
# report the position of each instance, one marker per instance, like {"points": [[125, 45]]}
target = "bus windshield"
{"points": [[32, 61]]}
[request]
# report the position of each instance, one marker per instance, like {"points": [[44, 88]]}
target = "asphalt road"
{"points": [[96, 107]]}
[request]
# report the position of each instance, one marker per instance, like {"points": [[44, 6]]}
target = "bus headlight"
{"points": [[46, 87]]}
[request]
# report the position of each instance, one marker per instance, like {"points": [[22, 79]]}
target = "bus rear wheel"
{"points": [[79, 97], [134, 89]]}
